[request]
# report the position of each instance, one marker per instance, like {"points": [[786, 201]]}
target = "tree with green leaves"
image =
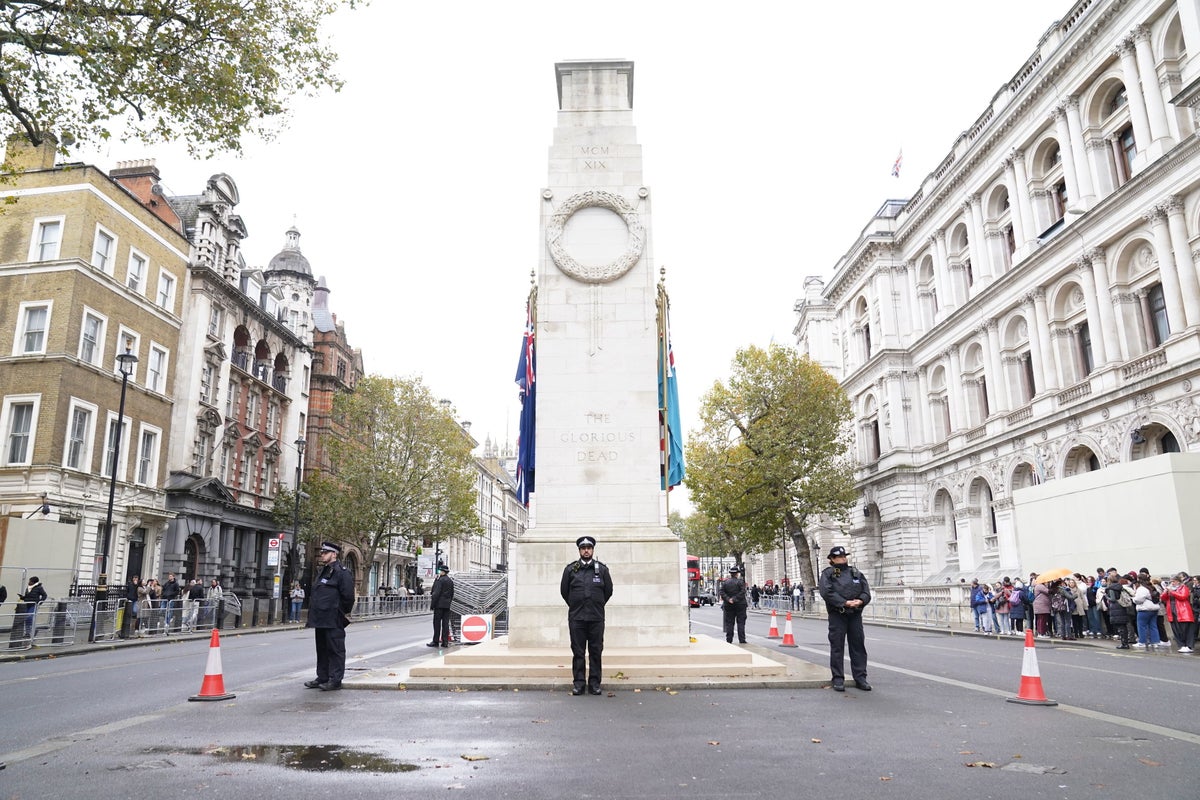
{"points": [[207, 72], [773, 452], [402, 467]]}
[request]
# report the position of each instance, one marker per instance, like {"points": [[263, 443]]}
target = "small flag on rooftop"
{"points": [[896, 166]]}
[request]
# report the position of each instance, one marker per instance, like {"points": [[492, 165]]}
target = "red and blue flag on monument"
{"points": [[527, 384], [668, 403]]}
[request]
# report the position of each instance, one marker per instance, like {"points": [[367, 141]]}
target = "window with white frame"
{"points": [[130, 341], [247, 466], [156, 368], [47, 239], [139, 266], [206, 383], [91, 337], [104, 250], [252, 410], [81, 426], [203, 452], [223, 470], [215, 319], [166, 290], [18, 421], [34, 321], [110, 447], [147, 458]]}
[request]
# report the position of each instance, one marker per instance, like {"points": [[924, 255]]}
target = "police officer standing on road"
{"points": [[586, 587], [733, 603], [328, 613], [845, 592], [439, 600]]}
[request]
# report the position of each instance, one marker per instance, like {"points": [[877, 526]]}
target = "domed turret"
{"points": [[290, 259]]}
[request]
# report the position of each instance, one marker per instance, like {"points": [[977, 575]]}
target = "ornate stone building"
{"points": [[241, 395], [1033, 311]]}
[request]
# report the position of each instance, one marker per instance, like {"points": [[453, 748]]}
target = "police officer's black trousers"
{"points": [[843, 627], [589, 634], [735, 612], [331, 654], [441, 626]]}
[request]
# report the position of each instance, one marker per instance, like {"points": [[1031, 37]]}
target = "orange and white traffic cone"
{"points": [[788, 639], [213, 687], [1031, 693], [773, 633]]}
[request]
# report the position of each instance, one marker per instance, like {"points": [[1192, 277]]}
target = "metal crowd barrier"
{"points": [[391, 606]]}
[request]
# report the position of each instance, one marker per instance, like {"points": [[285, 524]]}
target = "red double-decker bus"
{"points": [[695, 583]]}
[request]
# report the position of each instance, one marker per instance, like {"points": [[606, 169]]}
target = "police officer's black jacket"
{"points": [[733, 590], [442, 593], [839, 584], [586, 588], [332, 597]]}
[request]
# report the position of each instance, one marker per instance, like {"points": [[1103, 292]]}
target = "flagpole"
{"points": [[665, 440]]}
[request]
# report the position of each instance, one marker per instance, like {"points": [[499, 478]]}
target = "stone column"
{"points": [[885, 296], [945, 287], [1124, 51], [1079, 153], [1189, 285], [1028, 221], [1014, 206], [898, 435], [1040, 333], [1156, 108], [1095, 326], [1066, 152], [954, 389], [914, 301], [980, 259], [926, 435], [1104, 304], [1167, 273], [997, 379]]}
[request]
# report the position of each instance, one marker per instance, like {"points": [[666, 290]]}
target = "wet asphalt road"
{"points": [[117, 724]]}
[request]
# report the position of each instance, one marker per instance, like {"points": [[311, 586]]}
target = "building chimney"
{"points": [[22, 155]]}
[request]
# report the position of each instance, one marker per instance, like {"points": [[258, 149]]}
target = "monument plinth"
{"points": [[598, 451]]}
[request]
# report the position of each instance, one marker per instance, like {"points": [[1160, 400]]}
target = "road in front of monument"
{"points": [[117, 724]]}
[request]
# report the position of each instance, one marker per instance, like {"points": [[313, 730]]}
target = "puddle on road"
{"points": [[309, 758]]}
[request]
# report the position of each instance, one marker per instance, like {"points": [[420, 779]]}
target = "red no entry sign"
{"points": [[477, 627]]}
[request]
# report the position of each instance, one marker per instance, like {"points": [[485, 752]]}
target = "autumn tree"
{"points": [[402, 468], [772, 452], [207, 72]]}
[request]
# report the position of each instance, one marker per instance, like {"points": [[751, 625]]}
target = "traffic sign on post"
{"points": [[477, 627]]}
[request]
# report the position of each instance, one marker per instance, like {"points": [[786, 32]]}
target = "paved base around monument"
{"points": [[705, 663]]}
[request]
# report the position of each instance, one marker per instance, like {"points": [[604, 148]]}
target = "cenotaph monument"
{"points": [[597, 437]]}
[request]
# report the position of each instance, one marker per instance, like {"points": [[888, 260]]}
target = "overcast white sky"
{"points": [[768, 132]]}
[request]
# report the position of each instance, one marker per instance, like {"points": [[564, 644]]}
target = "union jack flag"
{"points": [[527, 383], [896, 166]]}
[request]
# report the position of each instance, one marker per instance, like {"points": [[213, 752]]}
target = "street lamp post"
{"points": [[125, 362], [294, 557]]}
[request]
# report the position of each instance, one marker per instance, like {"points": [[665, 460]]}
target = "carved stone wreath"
{"points": [[595, 198]]}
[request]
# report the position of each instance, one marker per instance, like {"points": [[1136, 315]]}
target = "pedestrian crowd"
{"points": [[1133, 608]]}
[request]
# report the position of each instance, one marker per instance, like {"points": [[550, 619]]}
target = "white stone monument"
{"points": [[597, 441]]}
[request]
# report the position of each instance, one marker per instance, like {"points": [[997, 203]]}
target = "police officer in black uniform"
{"points": [[846, 593], [440, 599], [328, 614], [586, 587], [732, 592]]}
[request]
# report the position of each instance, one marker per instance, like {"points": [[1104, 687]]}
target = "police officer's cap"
{"points": [[585, 541], [330, 547], [734, 571], [837, 551], [443, 569]]}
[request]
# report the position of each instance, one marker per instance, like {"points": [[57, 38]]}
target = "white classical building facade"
{"points": [[1033, 311]]}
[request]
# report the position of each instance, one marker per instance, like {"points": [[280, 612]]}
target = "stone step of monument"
{"points": [[612, 657], [758, 668]]}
